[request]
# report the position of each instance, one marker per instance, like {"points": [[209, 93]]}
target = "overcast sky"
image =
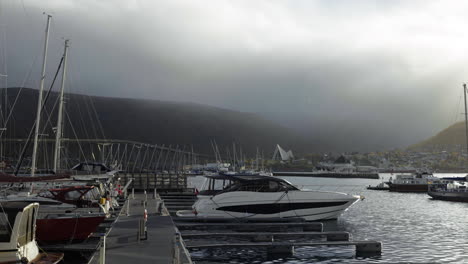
{"points": [[392, 68]]}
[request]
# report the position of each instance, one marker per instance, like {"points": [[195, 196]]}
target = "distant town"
{"points": [[398, 160]]}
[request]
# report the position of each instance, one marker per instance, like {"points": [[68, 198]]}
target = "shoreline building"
{"points": [[282, 155]]}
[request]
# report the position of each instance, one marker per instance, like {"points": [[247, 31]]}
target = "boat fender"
{"points": [[145, 215]]}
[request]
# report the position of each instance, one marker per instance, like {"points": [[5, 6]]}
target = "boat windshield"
{"points": [[212, 186], [260, 186]]}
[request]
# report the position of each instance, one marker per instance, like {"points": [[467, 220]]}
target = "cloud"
{"points": [[382, 63]]}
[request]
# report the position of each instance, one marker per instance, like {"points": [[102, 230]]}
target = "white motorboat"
{"points": [[260, 196]]}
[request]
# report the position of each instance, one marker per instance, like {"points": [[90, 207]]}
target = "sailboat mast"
{"points": [[466, 118], [59, 132], [39, 101]]}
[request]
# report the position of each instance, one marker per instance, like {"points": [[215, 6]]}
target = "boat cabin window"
{"points": [[212, 186], [264, 186]]}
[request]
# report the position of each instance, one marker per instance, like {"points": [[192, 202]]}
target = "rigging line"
{"points": [[10, 114], [91, 118], [49, 116], [80, 113], [26, 145], [8, 221], [97, 117], [81, 123], [76, 137]]}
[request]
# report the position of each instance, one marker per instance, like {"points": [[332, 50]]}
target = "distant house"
{"points": [[341, 164], [282, 155]]}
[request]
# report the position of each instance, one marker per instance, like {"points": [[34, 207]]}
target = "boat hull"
{"points": [[407, 187], [309, 205], [71, 228], [449, 196]]}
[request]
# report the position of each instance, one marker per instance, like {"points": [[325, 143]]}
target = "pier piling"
{"points": [[176, 259], [102, 250]]}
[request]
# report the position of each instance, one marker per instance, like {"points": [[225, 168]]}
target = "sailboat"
{"points": [[452, 190], [77, 225]]}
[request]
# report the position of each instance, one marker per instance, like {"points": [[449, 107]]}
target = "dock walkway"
{"points": [[122, 243]]}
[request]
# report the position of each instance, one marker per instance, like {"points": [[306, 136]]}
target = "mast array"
{"points": [[59, 132], [39, 101]]}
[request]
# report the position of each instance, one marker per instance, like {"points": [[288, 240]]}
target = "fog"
{"points": [[352, 75]]}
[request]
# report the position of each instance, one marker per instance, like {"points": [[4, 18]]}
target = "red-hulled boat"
{"points": [[67, 228], [61, 223]]}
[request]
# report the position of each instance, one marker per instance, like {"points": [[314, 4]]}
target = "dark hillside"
{"points": [[156, 122]]}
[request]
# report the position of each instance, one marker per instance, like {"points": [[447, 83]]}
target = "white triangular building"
{"points": [[281, 154]]}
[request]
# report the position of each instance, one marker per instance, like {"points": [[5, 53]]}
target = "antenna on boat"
{"points": [[466, 118], [39, 101], [59, 131]]}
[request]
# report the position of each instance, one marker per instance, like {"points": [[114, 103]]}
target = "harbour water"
{"points": [[411, 226]]}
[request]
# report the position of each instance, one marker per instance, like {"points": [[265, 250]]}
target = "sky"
{"points": [[365, 75]]}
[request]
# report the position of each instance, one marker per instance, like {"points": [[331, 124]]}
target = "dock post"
{"points": [[154, 194], [139, 231], [176, 257], [102, 250], [133, 193], [128, 207]]}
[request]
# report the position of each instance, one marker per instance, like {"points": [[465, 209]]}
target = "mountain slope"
{"points": [[449, 138], [155, 122]]}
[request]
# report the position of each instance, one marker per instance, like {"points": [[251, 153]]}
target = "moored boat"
{"points": [[416, 182], [451, 191], [259, 196]]}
